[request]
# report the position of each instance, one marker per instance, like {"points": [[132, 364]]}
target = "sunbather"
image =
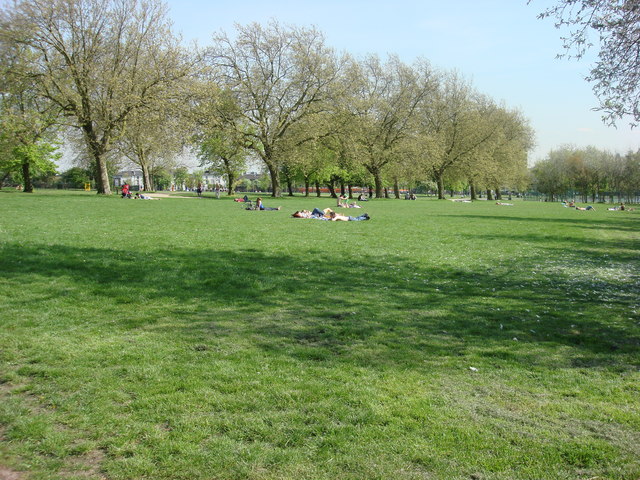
{"points": [[260, 206]]}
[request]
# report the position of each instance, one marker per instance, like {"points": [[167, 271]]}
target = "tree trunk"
{"points": [[378, 183], [342, 188], [370, 191], [275, 181], [318, 192], [472, 190], [350, 188], [489, 194], [306, 187], [26, 176], [97, 150], [332, 190], [440, 183], [231, 180], [396, 188], [146, 180], [289, 186], [498, 194]]}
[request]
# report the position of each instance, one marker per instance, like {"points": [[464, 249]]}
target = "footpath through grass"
{"points": [[191, 339]]}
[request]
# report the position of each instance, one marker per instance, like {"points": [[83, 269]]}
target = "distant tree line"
{"points": [[588, 174], [110, 78]]}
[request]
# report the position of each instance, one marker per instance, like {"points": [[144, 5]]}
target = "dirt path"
{"points": [[166, 195]]}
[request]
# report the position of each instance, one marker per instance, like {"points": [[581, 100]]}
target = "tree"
{"points": [[181, 177], [26, 159], [616, 73], [152, 140], [630, 181], [28, 127], [223, 156], [456, 125], [502, 160], [98, 60], [550, 176], [162, 178], [219, 139], [278, 76], [75, 177], [385, 100]]}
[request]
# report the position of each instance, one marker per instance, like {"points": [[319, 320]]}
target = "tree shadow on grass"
{"points": [[365, 310]]}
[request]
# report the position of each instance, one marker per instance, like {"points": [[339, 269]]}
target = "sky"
{"points": [[500, 46]]}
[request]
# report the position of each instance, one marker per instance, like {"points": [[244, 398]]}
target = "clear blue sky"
{"points": [[499, 45]]}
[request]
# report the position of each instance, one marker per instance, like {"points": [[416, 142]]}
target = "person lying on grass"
{"points": [[328, 214], [588, 207], [316, 213], [260, 206], [621, 208], [336, 217]]}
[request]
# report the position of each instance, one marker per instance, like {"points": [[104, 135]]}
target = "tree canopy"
{"points": [[616, 27], [114, 72], [99, 61]]}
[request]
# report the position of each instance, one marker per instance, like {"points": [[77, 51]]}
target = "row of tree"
{"points": [[589, 173], [111, 77]]}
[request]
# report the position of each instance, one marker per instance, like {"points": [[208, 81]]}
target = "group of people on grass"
{"points": [[328, 214], [620, 208], [573, 205], [258, 206], [617, 208], [126, 193], [343, 202]]}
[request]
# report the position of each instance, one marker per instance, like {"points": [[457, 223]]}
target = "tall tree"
{"points": [[502, 160], [384, 103], [28, 122], [152, 140], [219, 153], [219, 127], [455, 124], [550, 175], [616, 73], [98, 60], [278, 76]]}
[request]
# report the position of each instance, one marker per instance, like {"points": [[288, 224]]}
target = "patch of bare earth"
{"points": [[8, 474]]}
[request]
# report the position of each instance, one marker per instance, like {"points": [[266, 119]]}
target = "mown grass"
{"points": [[191, 339]]}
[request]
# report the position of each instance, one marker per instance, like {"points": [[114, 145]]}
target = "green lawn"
{"points": [[191, 339]]}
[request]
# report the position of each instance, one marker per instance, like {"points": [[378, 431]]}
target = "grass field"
{"points": [[191, 339]]}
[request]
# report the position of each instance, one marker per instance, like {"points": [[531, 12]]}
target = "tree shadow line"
{"points": [[313, 306]]}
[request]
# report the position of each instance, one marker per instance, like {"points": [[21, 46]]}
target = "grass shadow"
{"points": [[314, 306]]}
